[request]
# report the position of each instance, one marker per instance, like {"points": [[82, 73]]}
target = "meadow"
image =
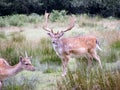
{"points": [[20, 33]]}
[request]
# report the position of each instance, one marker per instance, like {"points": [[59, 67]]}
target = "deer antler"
{"points": [[45, 27], [26, 54], [71, 25]]}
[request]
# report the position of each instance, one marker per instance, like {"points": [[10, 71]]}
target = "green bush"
{"points": [[57, 15], [99, 7], [19, 20], [15, 20], [34, 18], [2, 22]]}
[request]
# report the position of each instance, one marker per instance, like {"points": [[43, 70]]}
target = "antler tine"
{"points": [[45, 27], [26, 54], [71, 25]]}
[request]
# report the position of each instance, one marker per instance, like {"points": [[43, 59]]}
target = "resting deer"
{"points": [[7, 71], [74, 46]]}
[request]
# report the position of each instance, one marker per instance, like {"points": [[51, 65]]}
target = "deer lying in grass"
{"points": [[7, 71], [74, 46]]}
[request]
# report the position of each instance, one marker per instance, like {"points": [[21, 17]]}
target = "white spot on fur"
{"points": [[82, 50]]}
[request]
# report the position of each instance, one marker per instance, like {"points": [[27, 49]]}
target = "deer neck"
{"points": [[13, 70]]}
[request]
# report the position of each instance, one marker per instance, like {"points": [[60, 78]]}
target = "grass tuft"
{"points": [[47, 52], [93, 80]]}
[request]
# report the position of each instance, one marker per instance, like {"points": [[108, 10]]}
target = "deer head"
{"points": [[56, 35], [26, 63]]}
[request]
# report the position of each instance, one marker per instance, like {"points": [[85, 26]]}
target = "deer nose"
{"points": [[54, 42]]}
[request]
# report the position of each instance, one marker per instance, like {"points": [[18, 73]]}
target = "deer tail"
{"points": [[98, 45]]}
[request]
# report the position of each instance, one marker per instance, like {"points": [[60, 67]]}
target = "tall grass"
{"points": [[95, 79], [22, 81], [16, 44], [110, 42], [107, 78], [47, 52], [2, 35]]}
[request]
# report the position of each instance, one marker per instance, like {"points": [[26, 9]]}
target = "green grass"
{"points": [[47, 52], [23, 81], [95, 79], [2, 35]]}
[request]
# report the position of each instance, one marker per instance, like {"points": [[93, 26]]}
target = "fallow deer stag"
{"points": [[74, 46], [7, 71]]}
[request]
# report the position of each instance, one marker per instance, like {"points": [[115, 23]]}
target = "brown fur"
{"points": [[81, 41]]}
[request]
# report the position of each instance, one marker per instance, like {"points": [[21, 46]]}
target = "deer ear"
{"points": [[20, 58]]}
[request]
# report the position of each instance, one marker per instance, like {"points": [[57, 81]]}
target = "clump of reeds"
{"points": [[94, 79]]}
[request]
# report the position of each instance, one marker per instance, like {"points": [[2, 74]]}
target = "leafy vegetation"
{"points": [[58, 15], [19, 20], [99, 7]]}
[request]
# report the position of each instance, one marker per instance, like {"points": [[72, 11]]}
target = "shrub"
{"points": [[17, 20], [34, 18], [57, 15], [2, 22], [102, 7]]}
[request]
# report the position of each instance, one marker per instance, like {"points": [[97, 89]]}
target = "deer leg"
{"points": [[1, 85], [64, 64], [96, 57], [89, 63], [89, 58]]}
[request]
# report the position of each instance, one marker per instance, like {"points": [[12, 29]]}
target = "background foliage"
{"points": [[101, 7]]}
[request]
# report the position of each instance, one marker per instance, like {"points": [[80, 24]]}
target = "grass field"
{"points": [[26, 34]]}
